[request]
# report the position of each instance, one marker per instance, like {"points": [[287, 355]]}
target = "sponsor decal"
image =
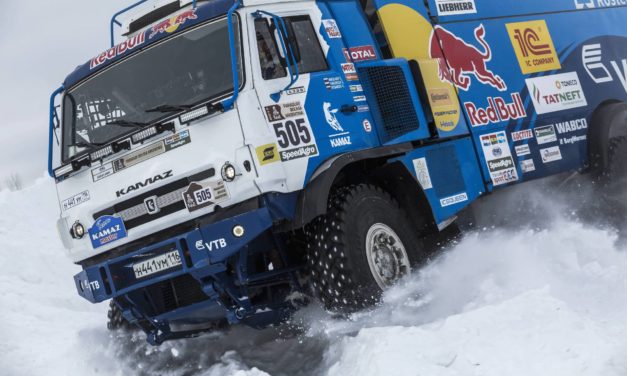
{"points": [[333, 83], [522, 150], [75, 200], [455, 7], [599, 72], [440, 97], [107, 229], [533, 46], [356, 88], [340, 141], [172, 24], [556, 92], [144, 184], [448, 201], [119, 50], [361, 53], [573, 140], [141, 155], [499, 158], [267, 154], [296, 90], [333, 31], [498, 110], [571, 126], [294, 139], [463, 60], [359, 98], [551, 154], [277, 112], [589, 4], [350, 72], [527, 166], [367, 126], [546, 135], [522, 135], [201, 195], [422, 173], [363, 108], [214, 245]]}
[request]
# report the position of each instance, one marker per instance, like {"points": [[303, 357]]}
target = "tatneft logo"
{"points": [[533, 46], [599, 72], [556, 92], [588, 4]]}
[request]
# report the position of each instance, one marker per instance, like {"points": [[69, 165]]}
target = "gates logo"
{"points": [[533, 46], [463, 59]]}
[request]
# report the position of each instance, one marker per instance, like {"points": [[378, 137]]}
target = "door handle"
{"points": [[348, 109]]}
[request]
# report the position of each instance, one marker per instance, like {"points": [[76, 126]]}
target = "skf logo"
{"points": [[533, 46], [267, 154]]}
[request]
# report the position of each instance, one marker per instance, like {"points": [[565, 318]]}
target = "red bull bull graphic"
{"points": [[170, 25], [118, 50], [459, 60]]}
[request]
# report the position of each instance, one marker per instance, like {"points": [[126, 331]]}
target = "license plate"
{"points": [[157, 264]]}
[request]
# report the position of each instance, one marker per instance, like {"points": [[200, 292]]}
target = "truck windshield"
{"points": [[186, 70]]}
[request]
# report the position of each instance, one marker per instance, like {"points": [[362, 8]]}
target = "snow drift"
{"points": [[546, 296]]}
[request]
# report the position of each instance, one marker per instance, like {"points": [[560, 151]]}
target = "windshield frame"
{"points": [[65, 159]]}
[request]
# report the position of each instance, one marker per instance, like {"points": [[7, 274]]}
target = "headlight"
{"points": [[78, 230], [228, 172]]}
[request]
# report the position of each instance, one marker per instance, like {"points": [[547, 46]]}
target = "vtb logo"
{"points": [[534, 47]]}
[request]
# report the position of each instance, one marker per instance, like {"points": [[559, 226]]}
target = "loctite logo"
{"points": [[498, 110], [118, 50]]}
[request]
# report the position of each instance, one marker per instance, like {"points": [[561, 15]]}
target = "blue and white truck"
{"points": [[227, 157]]}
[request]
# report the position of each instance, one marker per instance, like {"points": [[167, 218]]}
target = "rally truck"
{"points": [[222, 159]]}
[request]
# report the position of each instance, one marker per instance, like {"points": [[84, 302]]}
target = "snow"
{"points": [[541, 294]]}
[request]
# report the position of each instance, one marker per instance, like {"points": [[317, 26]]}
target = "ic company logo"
{"points": [[463, 59], [534, 47]]}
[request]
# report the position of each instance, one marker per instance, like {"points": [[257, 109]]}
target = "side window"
{"points": [[271, 57], [311, 56]]}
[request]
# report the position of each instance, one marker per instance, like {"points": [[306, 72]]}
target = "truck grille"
{"points": [[169, 295], [134, 212]]}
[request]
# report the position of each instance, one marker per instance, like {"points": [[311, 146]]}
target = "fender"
{"points": [[312, 200], [608, 121]]}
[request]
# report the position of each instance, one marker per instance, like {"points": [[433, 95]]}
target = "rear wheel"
{"points": [[363, 245]]}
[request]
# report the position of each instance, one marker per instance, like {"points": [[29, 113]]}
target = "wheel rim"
{"points": [[386, 255]]}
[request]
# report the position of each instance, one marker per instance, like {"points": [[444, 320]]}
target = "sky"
{"points": [[41, 42]]}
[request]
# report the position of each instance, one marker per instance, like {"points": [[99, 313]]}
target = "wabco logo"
{"points": [[592, 58], [533, 46], [463, 59], [145, 183]]}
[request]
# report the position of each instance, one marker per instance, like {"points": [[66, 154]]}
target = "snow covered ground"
{"points": [[541, 294]]}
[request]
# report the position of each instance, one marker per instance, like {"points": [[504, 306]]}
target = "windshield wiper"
{"points": [[165, 108], [127, 124], [87, 145]]}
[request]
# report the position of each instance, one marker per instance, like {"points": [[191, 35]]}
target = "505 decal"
{"points": [[294, 138]]}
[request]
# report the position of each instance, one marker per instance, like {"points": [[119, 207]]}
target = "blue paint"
{"points": [[229, 103], [51, 129]]}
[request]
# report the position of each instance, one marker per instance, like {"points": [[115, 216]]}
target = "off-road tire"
{"points": [[616, 171], [116, 320], [336, 246]]}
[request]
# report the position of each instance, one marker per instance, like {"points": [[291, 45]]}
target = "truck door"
{"points": [[316, 108]]}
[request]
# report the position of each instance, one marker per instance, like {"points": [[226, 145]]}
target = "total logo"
{"points": [[498, 110], [588, 4], [172, 24], [361, 53], [600, 72], [463, 59]]}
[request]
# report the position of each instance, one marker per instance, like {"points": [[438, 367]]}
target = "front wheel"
{"points": [[362, 246]]}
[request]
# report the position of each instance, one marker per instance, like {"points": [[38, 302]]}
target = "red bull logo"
{"points": [[118, 50], [172, 24], [463, 59]]}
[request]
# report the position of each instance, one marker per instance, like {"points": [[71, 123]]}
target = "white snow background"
{"points": [[539, 294]]}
